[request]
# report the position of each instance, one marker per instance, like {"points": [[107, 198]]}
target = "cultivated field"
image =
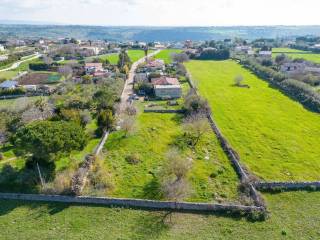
{"points": [[212, 178], [293, 53], [166, 55], [36, 78], [294, 216], [275, 136]]}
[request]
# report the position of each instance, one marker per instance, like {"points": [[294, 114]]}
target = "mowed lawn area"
{"points": [[166, 55], [212, 177], [293, 216], [294, 53], [275, 136]]}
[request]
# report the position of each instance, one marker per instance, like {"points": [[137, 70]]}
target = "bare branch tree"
{"points": [[65, 71], [173, 176], [127, 124], [195, 126]]}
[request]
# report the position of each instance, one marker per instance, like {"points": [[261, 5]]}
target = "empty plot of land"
{"points": [[275, 136], [134, 162]]}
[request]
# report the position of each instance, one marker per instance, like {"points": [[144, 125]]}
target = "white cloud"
{"points": [[164, 12]]}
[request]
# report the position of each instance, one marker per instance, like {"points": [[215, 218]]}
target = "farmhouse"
{"points": [[166, 87], [91, 68], [155, 65], [8, 85]]}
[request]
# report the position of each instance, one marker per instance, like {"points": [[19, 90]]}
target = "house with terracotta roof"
{"points": [[166, 87], [92, 68]]}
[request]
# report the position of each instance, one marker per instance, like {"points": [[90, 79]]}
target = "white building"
{"points": [[168, 91], [8, 85], [265, 54], [2, 48]]}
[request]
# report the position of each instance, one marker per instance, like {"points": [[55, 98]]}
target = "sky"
{"points": [[164, 12]]}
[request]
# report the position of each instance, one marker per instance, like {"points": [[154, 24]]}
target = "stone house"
{"points": [[166, 87]]}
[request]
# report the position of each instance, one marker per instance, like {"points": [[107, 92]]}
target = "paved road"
{"points": [[17, 64], [128, 87]]}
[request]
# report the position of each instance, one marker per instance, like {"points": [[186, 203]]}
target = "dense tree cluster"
{"points": [[46, 140]]}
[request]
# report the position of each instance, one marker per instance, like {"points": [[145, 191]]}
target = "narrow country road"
{"points": [[128, 87], [17, 64]]}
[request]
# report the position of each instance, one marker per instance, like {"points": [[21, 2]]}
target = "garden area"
{"points": [[276, 137]]}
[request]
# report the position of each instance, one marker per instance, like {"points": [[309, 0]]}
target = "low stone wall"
{"points": [[137, 203], [287, 186], [78, 181], [163, 111], [101, 143]]}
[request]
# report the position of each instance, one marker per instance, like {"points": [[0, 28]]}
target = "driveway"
{"points": [[128, 87]]}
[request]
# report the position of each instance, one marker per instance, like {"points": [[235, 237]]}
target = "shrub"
{"points": [[133, 158]]}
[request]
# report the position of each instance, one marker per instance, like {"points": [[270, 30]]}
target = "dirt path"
{"points": [[17, 64], [128, 87]]}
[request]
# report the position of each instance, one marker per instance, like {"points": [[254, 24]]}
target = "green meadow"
{"points": [[293, 216], [211, 177], [294, 53], [166, 55], [276, 137]]}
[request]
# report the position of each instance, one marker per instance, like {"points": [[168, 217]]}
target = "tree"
{"points": [[238, 80], [173, 176], [180, 57], [195, 126], [106, 120], [86, 79], [280, 59], [127, 124], [194, 104], [47, 60], [65, 71], [47, 140], [124, 59]]}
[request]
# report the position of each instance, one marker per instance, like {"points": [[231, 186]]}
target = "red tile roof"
{"points": [[165, 81]]}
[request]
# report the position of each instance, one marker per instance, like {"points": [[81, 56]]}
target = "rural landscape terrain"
{"points": [[204, 136]]}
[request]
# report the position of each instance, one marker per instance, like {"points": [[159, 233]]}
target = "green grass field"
{"points": [[166, 55], [134, 55], [293, 53], [275, 136], [293, 216], [155, 134], [6, 75]]}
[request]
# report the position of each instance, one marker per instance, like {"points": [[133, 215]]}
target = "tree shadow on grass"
{"points": [[150, 225], [24, 180], [152, 190]]}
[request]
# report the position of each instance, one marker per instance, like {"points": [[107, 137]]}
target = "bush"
{"points": [[133, 158], [39, 66], [16, 91]]}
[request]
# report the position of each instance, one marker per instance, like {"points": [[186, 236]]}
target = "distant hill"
{"points": [[152, 33]]}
